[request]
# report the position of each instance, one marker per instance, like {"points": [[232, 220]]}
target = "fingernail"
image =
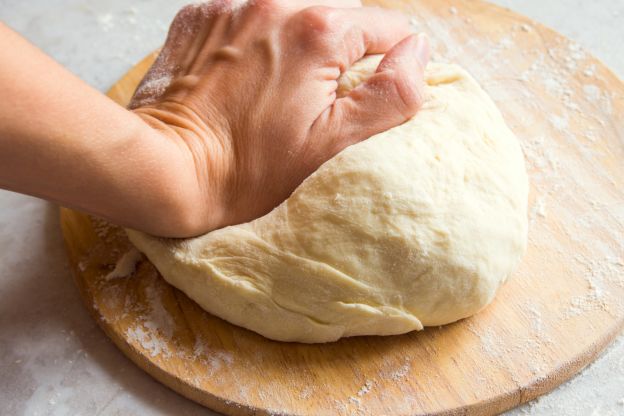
{"points": [[423, 50]]}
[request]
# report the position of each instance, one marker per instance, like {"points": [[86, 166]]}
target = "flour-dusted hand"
{"points": [[248, 92]]}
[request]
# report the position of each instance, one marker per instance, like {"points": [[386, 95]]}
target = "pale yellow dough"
{"points": [[417, 226]]}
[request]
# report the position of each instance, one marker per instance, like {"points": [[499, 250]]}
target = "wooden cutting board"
{"points": [[561, 308]]}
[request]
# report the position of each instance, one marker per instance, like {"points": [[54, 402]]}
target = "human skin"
{"points": [[249, 112]]}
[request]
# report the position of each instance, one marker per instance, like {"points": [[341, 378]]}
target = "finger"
{"points": [[388, 98], [351, 33], [377, 29]]}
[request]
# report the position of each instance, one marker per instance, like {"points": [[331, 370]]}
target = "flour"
{"points": [[158, 318], [591, 301], [155, 82], [401, 372], [490, 342], [106, 22], [561, 124], [218, 359], [590, 71], [101, 228], [126, 265], [533, 313], [366, 388], [306, 393], [354, 400], [538, 209], [154, 87], [199, 349], [578, 405], [148, 340], [592, 92]]}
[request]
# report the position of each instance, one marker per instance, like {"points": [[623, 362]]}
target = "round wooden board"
{"points": [[555, 315]]}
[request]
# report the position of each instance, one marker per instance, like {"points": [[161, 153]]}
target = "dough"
{"points": [[417, 226]]}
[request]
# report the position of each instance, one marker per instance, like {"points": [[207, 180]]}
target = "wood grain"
{"points": [[552, 318]]}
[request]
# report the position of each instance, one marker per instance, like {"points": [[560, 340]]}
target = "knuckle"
{"points": [[319, 19], [406, 91], [186, 13], [265, 9], [319, 29]]}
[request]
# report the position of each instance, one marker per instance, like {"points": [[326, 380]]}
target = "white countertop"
{"points": [[54, 360]]}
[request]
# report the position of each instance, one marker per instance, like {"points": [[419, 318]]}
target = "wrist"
{"points": [[191, 183]]}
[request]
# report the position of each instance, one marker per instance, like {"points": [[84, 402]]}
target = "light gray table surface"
{"points": [[54, 360]]}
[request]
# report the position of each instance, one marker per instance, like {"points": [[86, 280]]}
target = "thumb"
{"points": [[388, 98]]}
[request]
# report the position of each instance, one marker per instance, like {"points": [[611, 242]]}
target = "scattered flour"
{"points": [[125, 265], [402, 371], [306, 393], [158, 318], [538, 210], [592, 92], [218, 359], [152, 87], [102, 229], [148, 340], [591, 301], [561, 124], [106, 22], [366, 388], [590, 71]]}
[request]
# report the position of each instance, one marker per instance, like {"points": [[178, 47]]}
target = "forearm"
{"points": [[64, 141]]}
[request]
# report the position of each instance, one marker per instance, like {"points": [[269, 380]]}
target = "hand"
{"points": [[249, 96]]}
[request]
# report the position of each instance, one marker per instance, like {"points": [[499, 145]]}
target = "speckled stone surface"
{"points": [[54, 360]]}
